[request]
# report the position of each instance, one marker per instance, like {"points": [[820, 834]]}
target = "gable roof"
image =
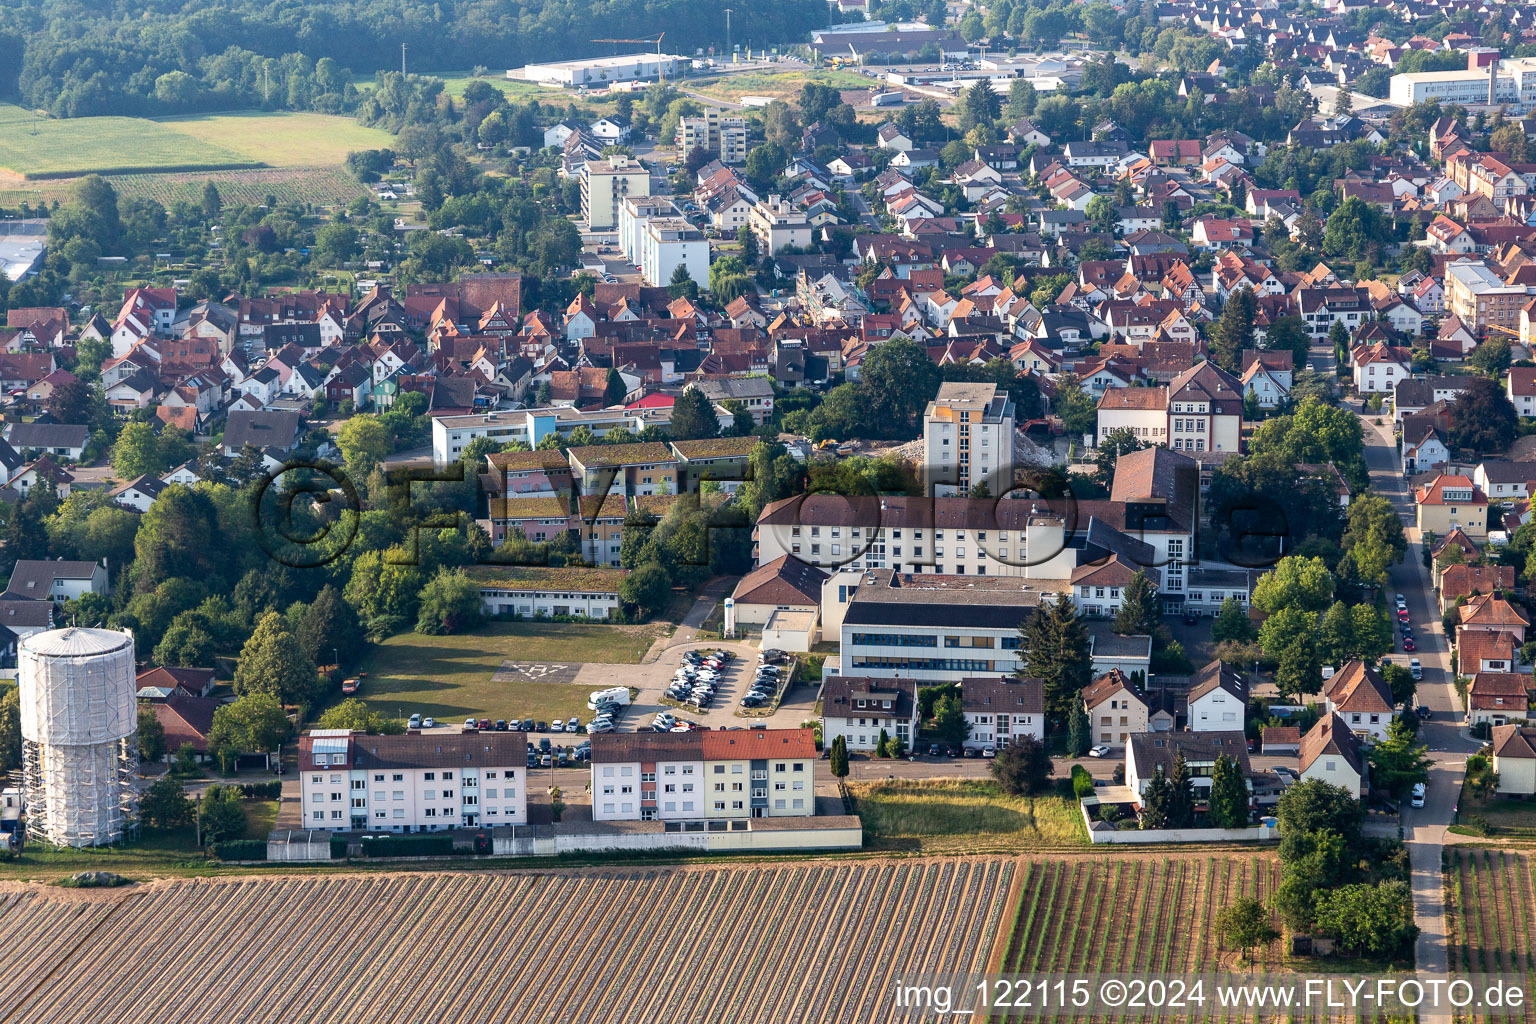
{"points": [[1331, 736], [1359, 689], [784, 580]]}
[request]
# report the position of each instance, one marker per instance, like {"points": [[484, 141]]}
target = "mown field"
{"points": [[963, 817], [36, 148], [1490, 898], [778, 84], [297, 139], [814, 941], [449, 677], [1136, 913]]}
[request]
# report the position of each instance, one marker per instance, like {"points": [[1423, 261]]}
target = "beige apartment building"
{"points": [[605, 184]]}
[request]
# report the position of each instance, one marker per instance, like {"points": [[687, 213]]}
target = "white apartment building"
{"points": [[417, 782], [1469, 88], [704, 775], [968, 439], [958, 536], [450, 434], [1000, 709], [667, 243], [716, 132], [777, 224], [859, 708], [634, 213], [605, 184]]}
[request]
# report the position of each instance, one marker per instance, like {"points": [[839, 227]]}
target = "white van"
{"points": [[1417, 800], [1416, 667], [617, 694]]}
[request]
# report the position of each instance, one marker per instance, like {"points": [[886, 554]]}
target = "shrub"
{"points": [[430, 845], [262, 790], [1082, 782], [240, 849]]}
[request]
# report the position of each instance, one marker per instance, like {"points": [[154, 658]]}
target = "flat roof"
{"points": [[610, 62]]}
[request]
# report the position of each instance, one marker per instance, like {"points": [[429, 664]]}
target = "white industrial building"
{"points": [[597, 72], [530, 591], [417, 782], [79, 732], [1510, 82]]}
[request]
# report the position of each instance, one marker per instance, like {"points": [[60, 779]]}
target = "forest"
{"points": [[81, 57]]}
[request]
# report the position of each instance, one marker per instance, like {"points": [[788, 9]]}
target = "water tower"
{"points": [[79, 734]]}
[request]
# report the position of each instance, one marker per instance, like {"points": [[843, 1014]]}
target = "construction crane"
{"points": [[660, 70]]}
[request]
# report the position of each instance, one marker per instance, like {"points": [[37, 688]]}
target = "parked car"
{"points": [[414, 722], [527, 725], [545, 746], [934, 750], [990, 750], [469, 723], [485, 724], [600, 727], [1423, 712], [1417, 799], [541, 727], [1408, 643], [429, 723], [1416, 668], [573, 724], [1099, 750], [501, 725], [750, 701], [1289, 773], [972, 752], [557, 726]]}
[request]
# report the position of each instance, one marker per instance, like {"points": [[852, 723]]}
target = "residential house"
{"points": [[999, 709], [860, 708]]}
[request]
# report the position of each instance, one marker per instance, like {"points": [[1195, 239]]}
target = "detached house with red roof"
{"points": [[1452, 501]]}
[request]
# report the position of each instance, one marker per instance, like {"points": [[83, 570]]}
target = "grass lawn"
{"points": [[281, 139], [1495, 816], [963, 817], [59, 147], [449, 677]]}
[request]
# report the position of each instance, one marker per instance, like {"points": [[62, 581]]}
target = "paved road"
{"points": [[1424, 829]]}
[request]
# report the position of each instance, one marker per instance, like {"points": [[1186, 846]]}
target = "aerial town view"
{"points": [[827, 512]]}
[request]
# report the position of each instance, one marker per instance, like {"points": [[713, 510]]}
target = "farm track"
{"points": [[809, 941]]}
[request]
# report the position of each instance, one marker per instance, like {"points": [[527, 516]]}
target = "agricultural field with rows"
{"points": [[1150, 914], [809, 941], [1490, 898]]}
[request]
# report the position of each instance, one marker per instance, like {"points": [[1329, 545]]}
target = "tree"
{"points": [[614, 389], [10, 729], [1396, 763], [1139, 612], [1373, 540], [212, 201], [949, 720], [1356, 230], [1244, 924], [1336, 634], [330, 629], [897, 381], [164, 804], [1234, 330], [1373, 920], [1057, 652], [1316, 806], [1512, 140], [1401, 682], [273, 662], [693, 417], [1181, 794], [882, 744], [355, 715], [1155, 800], [1289, 636], [1022, 766], [70, 401], [1289, 333], [364, 441], [1233, 624], [1491, 358], [646, 589], [682, 284], [1483, 418], [1295, 583], [1228, 806], [1079, 731], [748, 242], [137, 452], [253, 723], [450, 603], [220, 814], [837, 760], [151, 734]]}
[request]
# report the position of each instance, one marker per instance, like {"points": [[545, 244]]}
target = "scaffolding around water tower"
{"points": [[79, 731]]}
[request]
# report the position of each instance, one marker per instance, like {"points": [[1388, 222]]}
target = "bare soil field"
{"points": [[806, 941]]}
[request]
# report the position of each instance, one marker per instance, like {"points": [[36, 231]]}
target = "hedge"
{"points": [[1082, 782], [408, 846], [240, 849], [338, 848], [262, 790]]}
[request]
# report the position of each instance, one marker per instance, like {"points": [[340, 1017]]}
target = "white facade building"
{"points": [[968, 439], [528, 591], [605, 184], [417, 782], [860, 708], [667, 243], [596, 72], [704, 775]]}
